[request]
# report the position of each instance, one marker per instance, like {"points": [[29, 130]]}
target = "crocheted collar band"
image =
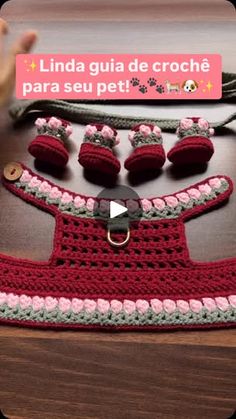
{"points": [[168, 206], [152, 283]]}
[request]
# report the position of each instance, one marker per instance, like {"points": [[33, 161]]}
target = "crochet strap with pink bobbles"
{"points": [[151, 283]]}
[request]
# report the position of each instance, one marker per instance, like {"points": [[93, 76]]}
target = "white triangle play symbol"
{"points": [[116, 209]]}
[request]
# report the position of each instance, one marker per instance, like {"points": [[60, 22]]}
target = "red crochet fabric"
{"points": [[194, 146], [93, 157], [150, 284], [49, 145], [49, 150], [148, 153], [147, 157], [96, 151]]}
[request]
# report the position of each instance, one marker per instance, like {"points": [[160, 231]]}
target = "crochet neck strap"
{"points": [[184, 204], [82, 112]]}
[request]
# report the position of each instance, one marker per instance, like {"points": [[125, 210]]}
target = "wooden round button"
{"points": [[12, 171]]}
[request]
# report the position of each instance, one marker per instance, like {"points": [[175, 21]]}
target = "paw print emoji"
{"points": [[134, 81], [151, 81], [142, 88], [160, 89]]}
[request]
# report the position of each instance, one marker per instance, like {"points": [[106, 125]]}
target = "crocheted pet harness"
{"points": [[150, 284]]}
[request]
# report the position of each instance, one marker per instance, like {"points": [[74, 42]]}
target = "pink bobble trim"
{"points": [[194, 193], [146, 205], [37, 303], [195, 305], [211, 132], [145, 130], [159, 204], [79, 202], [90, 204], [103, 306], [129, 306], [3, 298], [116, 306], [64, 304], [131, 135], [171, 201], [45, 187], [55, 193], [209, 304], [90, 130], [25, 301], [183, 306], [66, 198], [50, 303], [35, 182], [186, 123], [54, 123], [25, 177], [183, 197], [77, 305], [68, 130], [222, 303], [203, 123], [157, 131], [90, 305], [215, 183], [12, 300], [40, 122], [169, 306], [156, 305], [205, 189], [142, 306], [232, 300], [107, 132]]}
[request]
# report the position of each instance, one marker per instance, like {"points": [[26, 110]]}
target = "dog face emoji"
{"points": [[190, 86]]}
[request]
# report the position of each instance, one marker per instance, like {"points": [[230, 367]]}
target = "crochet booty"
{"points": [[96, 151], [148, 151], [194, 145], [49, 144]]}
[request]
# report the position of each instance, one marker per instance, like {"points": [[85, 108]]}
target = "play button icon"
{"points": [[117, 209], [117, 203]]}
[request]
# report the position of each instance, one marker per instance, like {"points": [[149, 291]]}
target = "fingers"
{"points": [[3, 31], [22, 46], [3, 27], [7, 76]]}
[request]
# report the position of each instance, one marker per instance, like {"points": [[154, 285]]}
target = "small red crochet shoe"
{"points": [[148, 151], [194, 145], [49, 145], [96, 151]]}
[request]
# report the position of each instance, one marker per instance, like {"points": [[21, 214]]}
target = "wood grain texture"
{"points": [[176, 375], [116, 380]]}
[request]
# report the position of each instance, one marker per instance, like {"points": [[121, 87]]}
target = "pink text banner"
{"points": [[118, 76]]}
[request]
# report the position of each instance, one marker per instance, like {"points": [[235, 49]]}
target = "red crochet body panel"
{"points": [[151, 283]]}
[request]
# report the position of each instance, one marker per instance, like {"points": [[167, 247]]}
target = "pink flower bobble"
{"points": [[148, 153], [49, 145], [194, 145], [146, 205], [96, 151]]}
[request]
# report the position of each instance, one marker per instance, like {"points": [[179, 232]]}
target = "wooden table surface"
{"points": [[187, 375]]}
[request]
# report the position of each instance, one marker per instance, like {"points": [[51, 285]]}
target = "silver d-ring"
{"points": [[118, 244]]}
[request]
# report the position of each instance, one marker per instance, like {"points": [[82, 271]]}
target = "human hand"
{"points": [[8, 63]]}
